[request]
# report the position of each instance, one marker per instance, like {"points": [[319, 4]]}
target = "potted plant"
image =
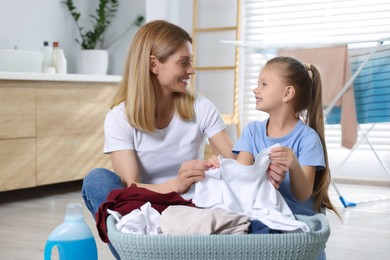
{"points": [[92, 41]]}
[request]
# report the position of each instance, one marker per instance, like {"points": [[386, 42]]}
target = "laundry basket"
{"points": [[296, 245]]}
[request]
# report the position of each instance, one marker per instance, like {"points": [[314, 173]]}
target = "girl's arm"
{"points": [[301, 178], [245, 158]]}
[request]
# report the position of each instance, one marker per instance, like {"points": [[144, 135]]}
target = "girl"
{"points": [[291, 93]]}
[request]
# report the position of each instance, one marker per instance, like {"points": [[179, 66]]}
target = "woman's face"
{"points": [[270, 89], [174, 74]]}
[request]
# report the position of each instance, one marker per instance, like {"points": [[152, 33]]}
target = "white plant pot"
{"points": [[94, 62]]}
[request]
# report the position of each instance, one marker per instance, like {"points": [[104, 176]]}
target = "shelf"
{"points": [[58, 77]]}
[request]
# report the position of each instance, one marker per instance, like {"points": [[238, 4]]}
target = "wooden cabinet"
{"points": [[17, 137], [51, 132], [17, 163], [17, 111]]}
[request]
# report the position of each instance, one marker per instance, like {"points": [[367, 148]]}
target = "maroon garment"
{"points": [[128, 199]]}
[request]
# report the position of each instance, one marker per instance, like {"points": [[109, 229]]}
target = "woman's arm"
{"points": [[221, 144], [125, 164]]}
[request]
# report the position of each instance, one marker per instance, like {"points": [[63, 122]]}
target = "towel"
{"points": [[246, 190], [334, 65], [372, 85]]}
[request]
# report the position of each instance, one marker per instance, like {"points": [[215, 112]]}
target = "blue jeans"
{"points": [[96, 187], [322, 255]]}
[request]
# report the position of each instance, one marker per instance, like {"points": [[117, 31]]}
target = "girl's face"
{"points": [[174, 74], [270, 89]]}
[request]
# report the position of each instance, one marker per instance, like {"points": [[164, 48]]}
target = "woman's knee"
{"points": [[101, 179], [96, 177], [97, 185]]}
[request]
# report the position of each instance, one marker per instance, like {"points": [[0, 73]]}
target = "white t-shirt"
{"points": [[161, 153]]}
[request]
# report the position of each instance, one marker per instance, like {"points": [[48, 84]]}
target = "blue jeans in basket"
{"points": [[96, 187]]}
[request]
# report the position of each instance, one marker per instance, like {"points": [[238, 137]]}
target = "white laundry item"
{"points": [[142, 221], [245, 189]]}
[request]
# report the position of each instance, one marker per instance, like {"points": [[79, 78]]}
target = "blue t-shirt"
{"points": [[303, 140]]}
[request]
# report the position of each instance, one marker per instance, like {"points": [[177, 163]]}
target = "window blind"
{"points": [[358, 23]]}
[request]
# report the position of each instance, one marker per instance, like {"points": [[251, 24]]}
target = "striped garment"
{"points": [[372, 85]]}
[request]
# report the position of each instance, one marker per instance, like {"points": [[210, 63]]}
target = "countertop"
{"points": [[58, 77]]}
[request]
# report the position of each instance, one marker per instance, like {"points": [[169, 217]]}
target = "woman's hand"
{"points": [[214, 161], [189, 173]]}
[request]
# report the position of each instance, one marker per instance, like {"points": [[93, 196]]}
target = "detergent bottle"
{"points": [[73, 238]]}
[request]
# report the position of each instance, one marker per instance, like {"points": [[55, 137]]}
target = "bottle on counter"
{"points": [[54, 54], [73, 238], [61, 62], [58, 59], [47, 54]]}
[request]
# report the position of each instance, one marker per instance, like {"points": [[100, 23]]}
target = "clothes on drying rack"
{"points": [[334, 66], [372, 85]]}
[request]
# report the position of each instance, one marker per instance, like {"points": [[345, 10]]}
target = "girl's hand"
{"points": [[276, 174], [189, 173], [282, 159], [284, 156]]}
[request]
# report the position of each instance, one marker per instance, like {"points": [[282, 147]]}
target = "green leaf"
{"points": [[101, 20]]}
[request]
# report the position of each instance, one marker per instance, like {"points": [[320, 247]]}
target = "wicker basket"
{"points": [[297, 245]]}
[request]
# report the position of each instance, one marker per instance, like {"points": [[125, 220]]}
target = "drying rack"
{"points": [[272, 49], [364, 134]]}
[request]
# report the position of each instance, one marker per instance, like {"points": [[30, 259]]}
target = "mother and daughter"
{"points": [[156, 129]]}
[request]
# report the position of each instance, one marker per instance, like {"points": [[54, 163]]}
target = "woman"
{"points": [[156, 129]]}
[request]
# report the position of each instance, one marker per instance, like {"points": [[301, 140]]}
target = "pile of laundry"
{"points": [[232, 199]]}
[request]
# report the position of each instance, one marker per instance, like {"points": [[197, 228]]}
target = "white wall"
{"points": [[178, 12], [26, 24]]}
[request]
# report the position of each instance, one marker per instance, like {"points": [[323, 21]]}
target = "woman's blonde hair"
{"points": [[138, 86], [307, 105]]}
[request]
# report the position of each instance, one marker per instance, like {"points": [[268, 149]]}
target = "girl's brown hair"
{"points": [[307, 103], [138, 86]]}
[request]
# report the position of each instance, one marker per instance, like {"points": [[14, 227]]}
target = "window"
{"points": [[275, 23]]}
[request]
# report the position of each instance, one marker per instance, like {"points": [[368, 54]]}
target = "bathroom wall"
{"points": [[25, 24]]}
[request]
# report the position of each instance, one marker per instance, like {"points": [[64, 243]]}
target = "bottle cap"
{"points": [[74, 212], [45, 43], [55, 44]]}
